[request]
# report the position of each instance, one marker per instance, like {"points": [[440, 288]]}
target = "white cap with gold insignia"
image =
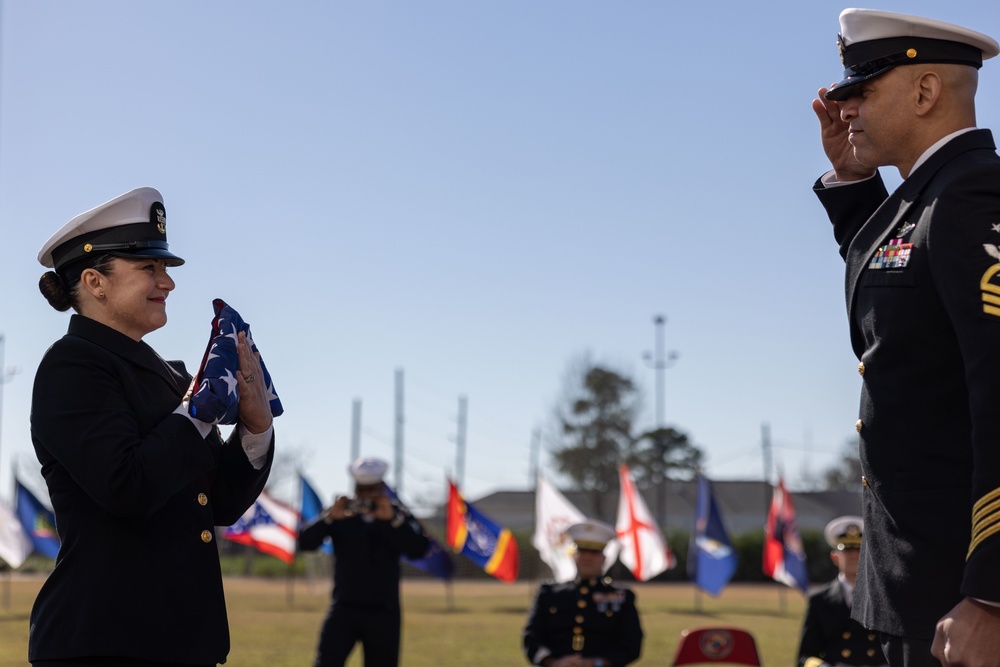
{"points": [[872, 42], [844, 532], [591, 535], [130, 225]]}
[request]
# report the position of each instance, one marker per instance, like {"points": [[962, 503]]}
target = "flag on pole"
{"points": [[711, 559], [270, 526], [553, 515], [310, 509], [436, 560], [475, 536], [15, 545], [37, 520], [784, 557], [643, 549]]}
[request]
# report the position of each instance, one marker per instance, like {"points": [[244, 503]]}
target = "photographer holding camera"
{"points": [[369, 534]]}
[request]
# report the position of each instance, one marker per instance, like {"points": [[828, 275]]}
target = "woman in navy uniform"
{"points": [[923, 300], [829, 635], [136, 484], [588, 622]]}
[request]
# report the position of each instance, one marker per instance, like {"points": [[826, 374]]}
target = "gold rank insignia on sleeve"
{"points": [[985, 519], [990, 290]]}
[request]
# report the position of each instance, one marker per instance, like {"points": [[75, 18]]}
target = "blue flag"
{"points": [[711, 559], [436, 561], [38, 521], [310, 510]]}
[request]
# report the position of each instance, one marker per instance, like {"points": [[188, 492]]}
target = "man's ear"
{"points": [[927, 87]]}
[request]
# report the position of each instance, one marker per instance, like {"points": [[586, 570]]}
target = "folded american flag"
{"points": [[216, 396]]}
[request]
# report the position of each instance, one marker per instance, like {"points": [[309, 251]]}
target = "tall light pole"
{"points": [[660, 360]]}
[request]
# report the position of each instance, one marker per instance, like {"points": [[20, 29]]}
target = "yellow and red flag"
{"points": [[472, 534]]}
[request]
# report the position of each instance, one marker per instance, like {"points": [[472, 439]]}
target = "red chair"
{"points": [[720, 645]]}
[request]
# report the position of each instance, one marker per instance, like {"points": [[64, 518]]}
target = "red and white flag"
{"points": [[784, 556], [644, 551], [270, 526]]}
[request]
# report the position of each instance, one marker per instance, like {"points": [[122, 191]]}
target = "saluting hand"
{"points": [[834, 133]]}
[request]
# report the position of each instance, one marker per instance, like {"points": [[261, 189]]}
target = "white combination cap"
{"points": [[844, 532], [591, 534], [131, 225], [872, 42], [368, 470]]}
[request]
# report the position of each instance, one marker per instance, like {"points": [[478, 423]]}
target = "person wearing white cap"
{"points": [[923, 301], [588, 622], [369, 532], [137, 484], [829, 635]]}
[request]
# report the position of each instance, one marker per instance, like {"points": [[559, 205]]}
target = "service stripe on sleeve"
{"points": [[985, 519]]}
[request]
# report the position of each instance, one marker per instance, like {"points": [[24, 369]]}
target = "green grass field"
{"points": [[473, 624]]}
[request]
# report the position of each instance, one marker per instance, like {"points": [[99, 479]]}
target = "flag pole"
{"points": [[449, 593], [534, 522], [8, 570], [6, 566], [290, 592]]}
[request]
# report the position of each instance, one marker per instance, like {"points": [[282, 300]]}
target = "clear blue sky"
{"points": [[475, 192]]}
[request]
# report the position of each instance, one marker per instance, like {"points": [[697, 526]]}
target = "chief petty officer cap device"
{"points": [[132, 225]]}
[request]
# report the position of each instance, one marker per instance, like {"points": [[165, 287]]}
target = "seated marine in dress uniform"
{"points": [[829, 635], [587, 622]]}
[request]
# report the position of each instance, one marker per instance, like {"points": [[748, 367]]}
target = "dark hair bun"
{"points": [[54, 289]]}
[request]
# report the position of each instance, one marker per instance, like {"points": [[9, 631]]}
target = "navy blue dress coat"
{"points": [[137, 493], [923, 301]]}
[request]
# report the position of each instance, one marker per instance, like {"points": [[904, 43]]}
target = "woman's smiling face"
{"points": [[135, 295]]}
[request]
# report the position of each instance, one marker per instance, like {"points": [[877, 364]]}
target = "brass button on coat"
{"points": [[857, 426], [206, 536], [581, 603], [864, 483], [202, 499], [861, 369]]}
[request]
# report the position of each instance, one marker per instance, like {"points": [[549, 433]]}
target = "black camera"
{"points": [[360, 506]]}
